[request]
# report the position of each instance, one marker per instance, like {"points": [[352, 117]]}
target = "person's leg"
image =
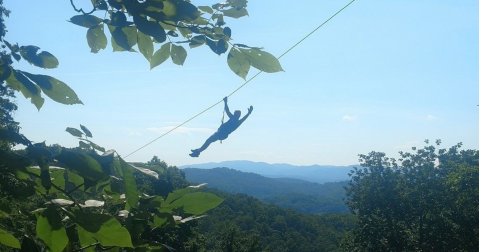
{"points": [[211, 139]]}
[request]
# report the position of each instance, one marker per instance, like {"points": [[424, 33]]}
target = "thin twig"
{"points": [[81, 10]]}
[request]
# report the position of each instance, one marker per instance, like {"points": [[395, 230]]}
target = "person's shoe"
{"points": [[194, 153]]}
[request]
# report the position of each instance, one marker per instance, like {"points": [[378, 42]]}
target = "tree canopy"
{"points": [[425, 201]]}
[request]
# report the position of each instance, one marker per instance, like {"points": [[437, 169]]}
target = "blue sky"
{"points": [[382, 75]]}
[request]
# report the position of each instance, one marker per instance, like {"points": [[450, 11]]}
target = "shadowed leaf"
{"points": [[43, 59], [197, 41], [28, 245], [129, 183], [51, 231], [87, 21], [28, 89], [5, 72], [103, 228], [74, 132], [150, 28], [123, 39], [87, 132], [217, 47], [83, 165], [54, 88]]}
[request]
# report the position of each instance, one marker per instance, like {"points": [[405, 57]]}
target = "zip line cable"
{"points": [[244, 84]]}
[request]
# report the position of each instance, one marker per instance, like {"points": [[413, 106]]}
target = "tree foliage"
{"points": [[170, 26], [92, 199], [427, 202], [242, 223]]}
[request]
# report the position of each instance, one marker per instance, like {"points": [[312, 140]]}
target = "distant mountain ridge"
{"points": [[300, 195], [312, 173]]}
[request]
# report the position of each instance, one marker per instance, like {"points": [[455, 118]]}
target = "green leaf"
{"points": [[234, 13], [29, 90], [217, 47], [145, 45], [43, 59], [129, 183], [51, 231], [196, 203], [86, 239], [87, 21], [262, 60], [55, 89], [160, 56], [83, 165], [206, 9], [178, 54], [96, 38], [150, 28], [87, 132], [180, 193], [8, 239], [74, 132], [103, 228], [238, 63]]}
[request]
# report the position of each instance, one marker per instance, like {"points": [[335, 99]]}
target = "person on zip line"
{"points": [[225, 129]]}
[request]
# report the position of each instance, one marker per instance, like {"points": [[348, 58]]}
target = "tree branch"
{"points": [[81, 10]]}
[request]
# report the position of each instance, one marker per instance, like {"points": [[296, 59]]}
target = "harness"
{"points": [[222, 121]]}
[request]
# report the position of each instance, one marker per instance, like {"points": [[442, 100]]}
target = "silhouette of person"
{"points": [[225, 129]]}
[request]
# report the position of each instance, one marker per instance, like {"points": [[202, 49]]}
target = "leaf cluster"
{"points": [[91, 197], [33, 85], [169, 24], [425, 201]]}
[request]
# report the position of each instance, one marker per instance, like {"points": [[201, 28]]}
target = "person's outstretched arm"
{"points": [[250, 109], [228, 112]]}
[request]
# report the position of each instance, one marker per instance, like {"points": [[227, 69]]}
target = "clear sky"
{"points": [[382, 75]]}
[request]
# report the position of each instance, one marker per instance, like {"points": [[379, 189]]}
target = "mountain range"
{"points": [[312, 173], [302, 196]]}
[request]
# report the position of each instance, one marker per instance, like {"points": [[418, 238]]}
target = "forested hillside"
{"points": [[240, 223], [244, 223], [300, 195]]}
